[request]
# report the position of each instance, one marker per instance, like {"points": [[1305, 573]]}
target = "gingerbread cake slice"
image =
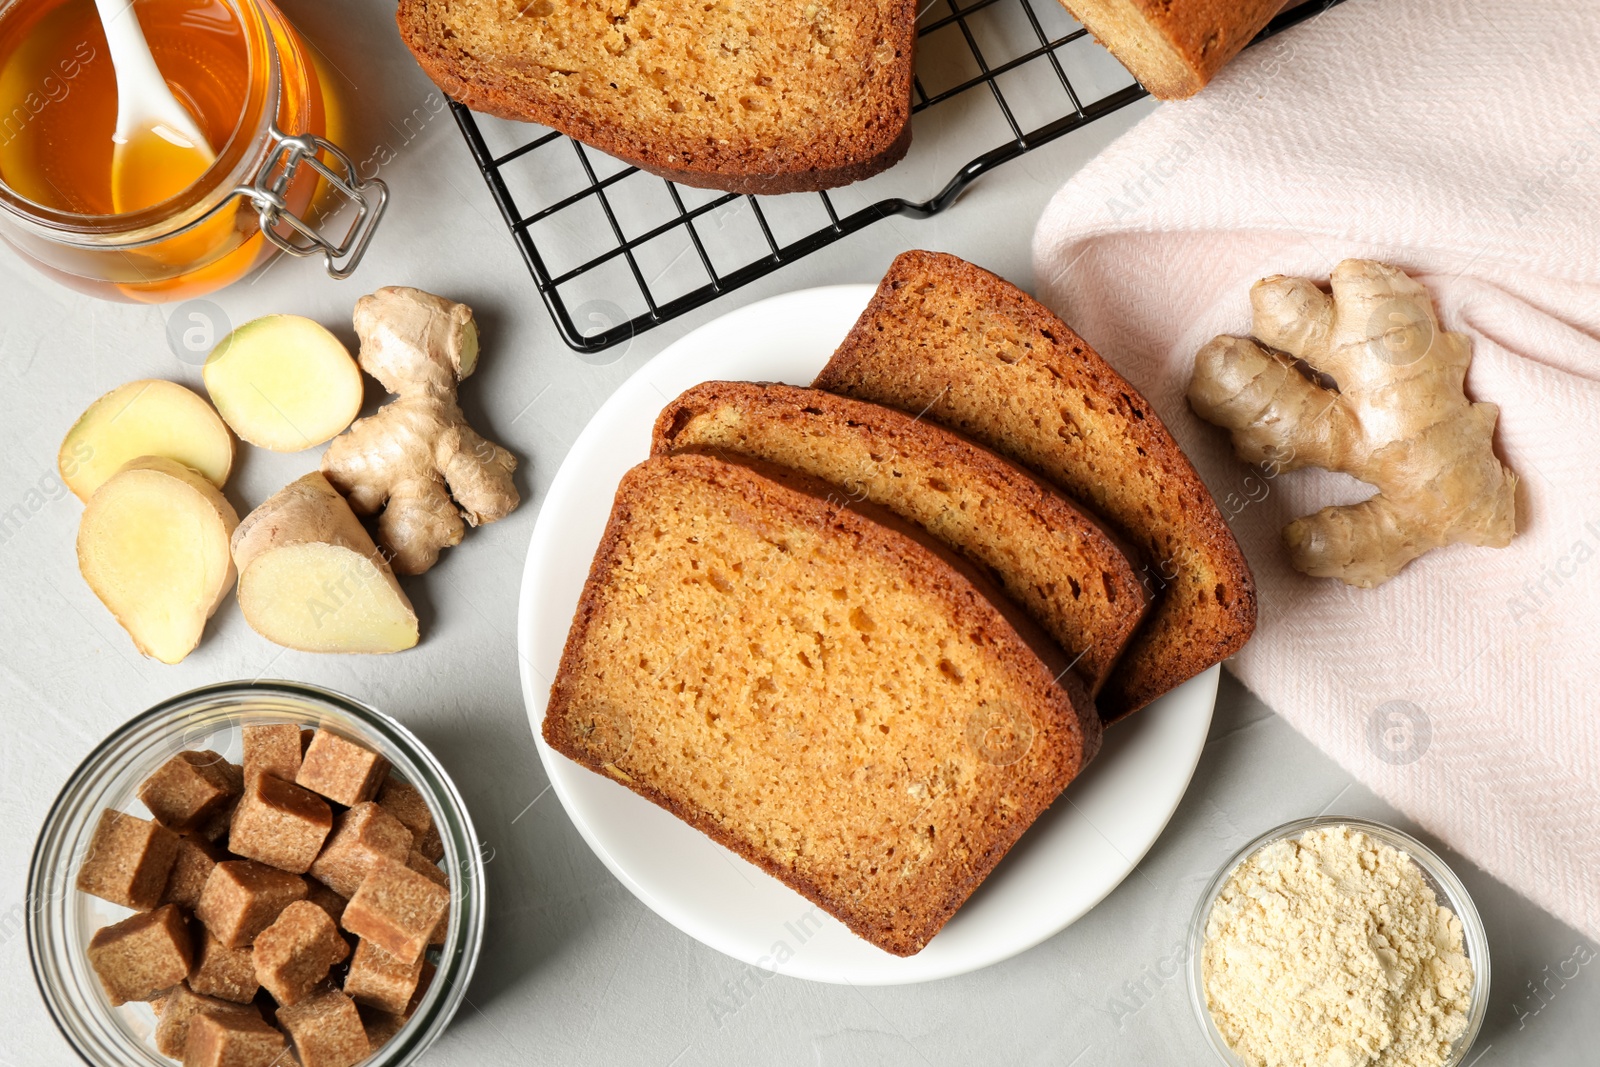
{"points": [[972, 352], [752, 96], [1054, 560], [1174, 48], [824, 693]]}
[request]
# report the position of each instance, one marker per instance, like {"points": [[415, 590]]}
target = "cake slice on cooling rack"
{"points": [[759, 96], [1174, 46]]}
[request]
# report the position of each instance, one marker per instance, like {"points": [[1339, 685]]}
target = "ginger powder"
{"points": [[1331, 949]]}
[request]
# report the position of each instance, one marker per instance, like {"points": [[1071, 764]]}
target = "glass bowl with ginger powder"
{"points": [[1338, 942]]}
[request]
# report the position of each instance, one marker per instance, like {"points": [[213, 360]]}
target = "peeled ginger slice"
{"points": [[326, 598], [310, 577], [284, 383], [150, 417], [153, 545]]}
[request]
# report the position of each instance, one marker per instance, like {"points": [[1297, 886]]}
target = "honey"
{"points": [[172, 224], [58, 96]]}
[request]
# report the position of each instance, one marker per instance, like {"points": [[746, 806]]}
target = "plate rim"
{"points": [[535, 691]]}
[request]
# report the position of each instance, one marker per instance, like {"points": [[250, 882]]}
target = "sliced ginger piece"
{"points": [[1398, 420], [150, 417], [310, 577], [417, 459], [153, 545], [284, 382]]}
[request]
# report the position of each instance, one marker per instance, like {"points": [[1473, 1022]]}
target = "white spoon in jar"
{"points": [[159, 148]]}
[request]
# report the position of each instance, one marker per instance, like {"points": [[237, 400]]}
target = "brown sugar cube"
{"points": [[380, 980], [234, 1040], [328, 900], [273, 750], [215, 828], [397, 908], [242, 898], [341, 770], [279, 824], [142, 955], [128, 860], [431, 844], [223, 972], [196, 856], [383, 1025], [188, 789], [435, 874], [406, 803], [179, 1007], [360, 837], [326, 1029], [334, 905], [294, 953], [432, 871]]}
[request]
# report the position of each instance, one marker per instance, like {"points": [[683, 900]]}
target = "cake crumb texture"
{"points": [[953, 343], [814, 690], [1054, 560], [751, 96]]}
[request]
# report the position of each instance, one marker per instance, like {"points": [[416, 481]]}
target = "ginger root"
{"points": [[1397, 418], [153, 545], [310, 577], [418, 452]]}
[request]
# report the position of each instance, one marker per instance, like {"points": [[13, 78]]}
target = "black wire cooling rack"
{"points": [[615, 251]]}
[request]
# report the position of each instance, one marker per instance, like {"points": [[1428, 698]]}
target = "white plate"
{"points": [[1072, 857]]}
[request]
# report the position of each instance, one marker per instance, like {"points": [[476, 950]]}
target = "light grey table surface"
{"points": [[575, 969]]}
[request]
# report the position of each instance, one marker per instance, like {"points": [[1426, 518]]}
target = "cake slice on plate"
{"points": [[1054, 560], [839, 700], [969, 351]]}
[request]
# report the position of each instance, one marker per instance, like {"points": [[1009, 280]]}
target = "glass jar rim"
{"points": [[238, 159]]}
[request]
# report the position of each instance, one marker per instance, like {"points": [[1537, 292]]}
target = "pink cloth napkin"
{"points": [[1459, 140]]}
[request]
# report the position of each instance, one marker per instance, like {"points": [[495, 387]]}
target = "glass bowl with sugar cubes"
{"points": [[253, 869]]}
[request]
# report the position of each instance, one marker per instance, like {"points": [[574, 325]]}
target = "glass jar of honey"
{"points": [[254, 89]]}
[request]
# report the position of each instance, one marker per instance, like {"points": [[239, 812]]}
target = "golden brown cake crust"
{"points": [[978, 355], [1174, 46], [987, 806], [1057, 562], [865, 131]]}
